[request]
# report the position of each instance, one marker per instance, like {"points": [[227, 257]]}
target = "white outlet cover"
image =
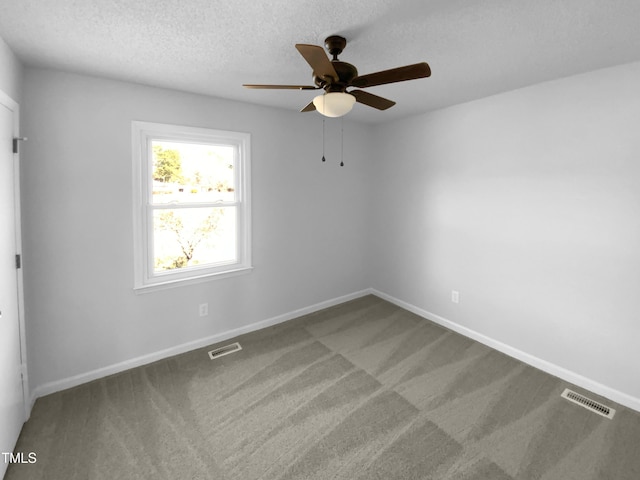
{"points": [[455, 296]]}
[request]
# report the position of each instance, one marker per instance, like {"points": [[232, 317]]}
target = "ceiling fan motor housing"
{"points": [[346, 72], [335, 44]]}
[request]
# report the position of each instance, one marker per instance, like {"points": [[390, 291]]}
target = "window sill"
{"points": [[183, 282]]}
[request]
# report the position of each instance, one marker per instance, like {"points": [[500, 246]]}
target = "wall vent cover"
{"points": [[226, 350], [587, 403]]}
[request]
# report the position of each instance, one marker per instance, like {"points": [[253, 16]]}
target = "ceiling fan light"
{"points": [[334, 104]]}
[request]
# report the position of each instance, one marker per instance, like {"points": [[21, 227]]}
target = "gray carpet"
{"points": [[364, 390]]}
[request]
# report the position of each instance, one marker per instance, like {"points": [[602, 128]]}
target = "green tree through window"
{"points": [[167, 165]]}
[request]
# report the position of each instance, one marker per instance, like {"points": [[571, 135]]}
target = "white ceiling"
{"points": [[475, 48]]}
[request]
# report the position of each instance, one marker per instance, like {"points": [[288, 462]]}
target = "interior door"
{"points": [[11, 394]]}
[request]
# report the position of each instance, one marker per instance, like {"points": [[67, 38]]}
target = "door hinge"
{"points": [[15, 143], [18, 261]]}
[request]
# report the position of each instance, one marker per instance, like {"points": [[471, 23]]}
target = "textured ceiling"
{"points": [[475, 48]]}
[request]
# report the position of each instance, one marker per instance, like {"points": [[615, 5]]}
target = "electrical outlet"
{"points": [[455, 296], [204, 309]]}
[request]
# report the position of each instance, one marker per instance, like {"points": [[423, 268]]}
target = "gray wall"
{"points": [[528, 204], [82, 312]]}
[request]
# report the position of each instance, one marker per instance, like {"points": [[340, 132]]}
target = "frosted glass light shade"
{"points": [[334, 104]]}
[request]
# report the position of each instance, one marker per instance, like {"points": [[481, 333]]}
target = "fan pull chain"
{"points": [[323, 159], [342, 142]]}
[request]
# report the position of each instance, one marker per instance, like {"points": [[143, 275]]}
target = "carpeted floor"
{"points": [[363, 390]]}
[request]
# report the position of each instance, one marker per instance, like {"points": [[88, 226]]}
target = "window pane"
{"points": [[193, 237], [192, 173]]}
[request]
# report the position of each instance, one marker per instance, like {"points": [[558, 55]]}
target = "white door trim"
{"points": [[8, 102]]}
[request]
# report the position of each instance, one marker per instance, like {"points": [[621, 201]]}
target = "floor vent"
{"points": [[226, 350], [588, 403]]}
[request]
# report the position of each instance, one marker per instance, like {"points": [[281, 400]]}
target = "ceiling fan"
{"points": [[334, 77]]}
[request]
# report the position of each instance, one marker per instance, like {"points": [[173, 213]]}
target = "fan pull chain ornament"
{"points": [[334, 77]]}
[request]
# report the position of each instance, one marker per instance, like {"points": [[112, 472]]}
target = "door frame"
{"points": [[14, 106]]}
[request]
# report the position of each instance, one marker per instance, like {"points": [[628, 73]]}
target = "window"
{"points": [[191, 204]]}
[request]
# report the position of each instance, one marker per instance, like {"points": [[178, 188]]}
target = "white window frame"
{"points": [[143, 133]]}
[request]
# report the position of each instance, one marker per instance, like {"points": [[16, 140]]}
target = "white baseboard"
{"points": [[548, 367], [76, 380]]}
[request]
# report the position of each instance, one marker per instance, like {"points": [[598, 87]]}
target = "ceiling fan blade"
{"points": [[309, 108], [400, 74], [372, 100], [320, 63], [281, 87]]}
